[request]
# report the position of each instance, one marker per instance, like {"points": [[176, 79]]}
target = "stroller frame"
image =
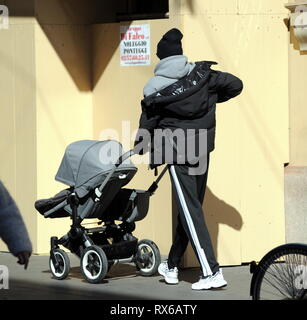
{"points": [[77, 231]]}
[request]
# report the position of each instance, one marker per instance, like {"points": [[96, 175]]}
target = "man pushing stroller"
{"points": [[180, 104]]}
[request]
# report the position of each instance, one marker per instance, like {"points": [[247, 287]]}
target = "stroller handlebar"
{"points": [[124, 157], [120, 160]]}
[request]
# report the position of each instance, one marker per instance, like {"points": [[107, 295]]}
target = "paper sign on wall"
{"points": [[135, 45]]}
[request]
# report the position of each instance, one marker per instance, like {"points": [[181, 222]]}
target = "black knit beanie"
{"points": [[170, 44]]}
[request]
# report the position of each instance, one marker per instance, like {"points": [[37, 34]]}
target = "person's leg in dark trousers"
{"points": [[179, 245], [181, 239], [189, 193]]}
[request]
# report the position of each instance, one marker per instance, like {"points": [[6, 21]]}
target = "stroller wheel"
{"points": [[147, 258], [61, 270], [94, 264]]}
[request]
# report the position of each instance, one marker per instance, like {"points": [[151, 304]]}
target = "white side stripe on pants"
{"points": [[201, 254]]}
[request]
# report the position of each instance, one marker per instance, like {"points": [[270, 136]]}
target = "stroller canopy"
{"points": [[87, 162]]}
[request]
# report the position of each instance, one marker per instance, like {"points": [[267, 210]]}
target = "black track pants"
{"points": [[189, 191]]}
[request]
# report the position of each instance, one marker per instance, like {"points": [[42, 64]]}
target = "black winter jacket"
{"points": [[189, 103]]}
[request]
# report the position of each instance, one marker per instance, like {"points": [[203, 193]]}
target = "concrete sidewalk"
{"points": [[122, 283]]}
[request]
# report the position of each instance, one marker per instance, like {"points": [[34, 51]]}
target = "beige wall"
{"points": [[63, 97], [296, 172], [74, 88], [64, 110], [298, 98], [47, 104], [18, 120]]}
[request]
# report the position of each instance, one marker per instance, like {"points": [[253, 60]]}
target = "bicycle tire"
{"points": [[281, 269]]}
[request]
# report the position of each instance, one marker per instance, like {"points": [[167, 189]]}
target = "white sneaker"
{"points": [[170, 275], [215, 281]]}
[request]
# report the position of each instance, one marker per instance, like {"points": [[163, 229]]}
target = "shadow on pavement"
{"points": [[28, 290]]}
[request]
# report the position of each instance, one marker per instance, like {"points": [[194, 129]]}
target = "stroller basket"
{"points": [[121, 250], [128, 205]]}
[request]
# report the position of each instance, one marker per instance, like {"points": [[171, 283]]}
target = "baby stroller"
{"points": [[96, 172]]}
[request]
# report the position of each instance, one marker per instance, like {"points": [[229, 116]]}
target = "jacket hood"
{"points": [[180, 88], [174, 67]]}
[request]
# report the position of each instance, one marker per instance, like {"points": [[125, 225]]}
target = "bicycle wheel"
{"points": [[281, 274]]}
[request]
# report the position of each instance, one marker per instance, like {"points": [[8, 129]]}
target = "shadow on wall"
{"points": [[219, 212], [75, 42], [69, 27], [73, 46], [85, 51], [104, 46], [190, 5], [216, 212]]}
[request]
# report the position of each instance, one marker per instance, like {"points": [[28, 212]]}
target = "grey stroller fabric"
{"points": [[87, 162]]}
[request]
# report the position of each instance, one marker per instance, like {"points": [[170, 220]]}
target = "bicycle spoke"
{"points": [[280, 275]]}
